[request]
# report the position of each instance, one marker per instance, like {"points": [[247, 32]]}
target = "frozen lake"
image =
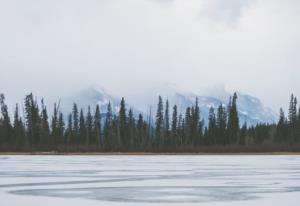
{"points": [[149, 180]]}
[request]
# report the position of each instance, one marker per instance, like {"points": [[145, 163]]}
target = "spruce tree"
{"points": [[82, 129], [131, 129], [233, 121], [69, 131], [97, 126], [61, 129], [75, 119], [108, 128], [141, 136], [44, 128], [159, 123], [195, 120], [123, 125], [90, 138], [211, 127], [187, 126], [5, 124], [32, 121], [174, 126], [54, 125], [18, 131], [221, 122]]}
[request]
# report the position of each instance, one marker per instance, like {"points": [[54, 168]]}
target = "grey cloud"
{"points": [[226, 11]]}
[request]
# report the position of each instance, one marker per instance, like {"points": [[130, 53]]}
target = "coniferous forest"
{"points": [[106, 131]]}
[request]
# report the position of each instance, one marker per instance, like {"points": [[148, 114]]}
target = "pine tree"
{"points": [[211, 127], [174, 126], [243, 134], [233, 121], [44, 128], [18, 131], [97, 126], [54, 125], [82, 129], [32, 121], [187, 126], [159, 123], [123, 125], [75, 119], [5, 124], [108, 129], [195, 136], [131, 129], [69, 131], [292, 118], [141, 136], [61, 129], [221, 122], [90, 138]]}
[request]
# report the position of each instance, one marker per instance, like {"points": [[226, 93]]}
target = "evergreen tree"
{"points": [[174, 126], [282, 130], [54, 125], [61, 129], [212, 127], [141, 136], [18, 131], [221, 123], [159, 124], [123, 125], [195, 135], [90, 138], [44, 128], [69, 131], [108, 129], [82, 129], [187, 126], [5, 124], [32, 121], [131, 129], [233, 121], [292, 118], [75, 119], [97, 126], [243, 135]]}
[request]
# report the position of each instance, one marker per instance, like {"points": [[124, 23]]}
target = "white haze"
{"points": [[54, 47]]}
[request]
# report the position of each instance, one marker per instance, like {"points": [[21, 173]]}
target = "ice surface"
{"points": [[149, 180]]}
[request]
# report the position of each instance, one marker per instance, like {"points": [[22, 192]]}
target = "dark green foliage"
{"points": [[90, 138], [108, 129], [82, 130], [45, 128], [76, 135], [159, 123], [32, 121], [5, 124], [212, 128], [121, 132], [97, 127], [233, 121], [19, 135], [125, 141], [221, 124]]}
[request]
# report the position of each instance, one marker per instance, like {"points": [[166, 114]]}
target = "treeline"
{"points": [[95, 131]]}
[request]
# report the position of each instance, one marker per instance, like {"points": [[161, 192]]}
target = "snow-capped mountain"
{"points": [[251, 109], [92, 96]]}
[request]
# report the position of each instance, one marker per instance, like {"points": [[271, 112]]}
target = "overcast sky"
{"points": [[54, 47]]}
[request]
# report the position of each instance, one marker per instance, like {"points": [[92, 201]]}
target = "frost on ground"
{"points": [[149, 180]]}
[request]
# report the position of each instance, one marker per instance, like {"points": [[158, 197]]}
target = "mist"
{"points": [[57, 47]]}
